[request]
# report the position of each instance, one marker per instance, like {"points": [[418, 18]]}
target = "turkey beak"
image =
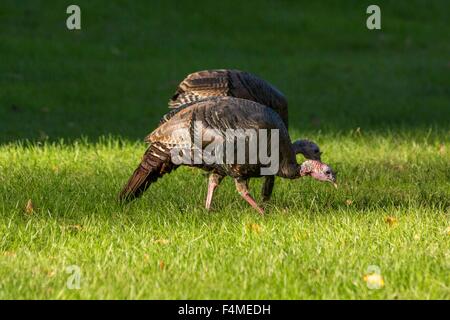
{"points": [[333, 182]]}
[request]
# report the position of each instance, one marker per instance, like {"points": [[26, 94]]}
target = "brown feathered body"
{"points": [[234, 83], [219, 114]]}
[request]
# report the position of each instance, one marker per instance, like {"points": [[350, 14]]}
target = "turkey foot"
{"points": [[213, 182], [242, 188]]}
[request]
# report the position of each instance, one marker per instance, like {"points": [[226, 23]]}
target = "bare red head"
{"points": [[318, 170]]}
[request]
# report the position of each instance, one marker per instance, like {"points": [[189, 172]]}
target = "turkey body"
{"points": [[234, 83], [220, 115], [217, 115]]}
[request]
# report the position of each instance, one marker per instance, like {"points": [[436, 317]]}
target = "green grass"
{"points": [[74, 107]]}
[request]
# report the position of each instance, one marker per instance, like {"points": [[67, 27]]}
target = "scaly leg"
{"points": [[242, 188], [267, 187], [213, 182]]}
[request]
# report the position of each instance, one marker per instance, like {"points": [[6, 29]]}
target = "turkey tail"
{"points": [[155, 163]]}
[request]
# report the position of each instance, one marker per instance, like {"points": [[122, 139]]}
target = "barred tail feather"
{"points": [[155, 163], [184, 98]]}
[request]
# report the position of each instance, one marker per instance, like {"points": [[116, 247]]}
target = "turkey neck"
{"points": [[289, 168]]}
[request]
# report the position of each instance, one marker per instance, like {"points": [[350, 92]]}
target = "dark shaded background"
{"points": [[114, 76]]}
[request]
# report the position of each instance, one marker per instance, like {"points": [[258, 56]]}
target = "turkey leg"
{"points": [[242, 188], [267, 187], [213, 182]]}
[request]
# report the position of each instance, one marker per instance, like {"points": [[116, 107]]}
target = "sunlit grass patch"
{"points": [[314, 242]]}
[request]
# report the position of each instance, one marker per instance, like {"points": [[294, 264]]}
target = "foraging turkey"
{"points": [[239, 84], [215, 116]]}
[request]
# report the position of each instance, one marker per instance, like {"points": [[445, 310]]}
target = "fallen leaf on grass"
{"points": [[72, 227], [391, 221], [315, 271], [161, 264], [51, 273], [348, 202], [161, 241], [9, 254], [374, 281], [29, 208], [75, 227], [254, 227], [300, 236]]}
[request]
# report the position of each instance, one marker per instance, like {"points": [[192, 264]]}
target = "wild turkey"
{"points": [[239, 84], [217, 115]]}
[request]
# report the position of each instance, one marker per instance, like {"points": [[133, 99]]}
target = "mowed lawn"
{"points": [[75, 105]]}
